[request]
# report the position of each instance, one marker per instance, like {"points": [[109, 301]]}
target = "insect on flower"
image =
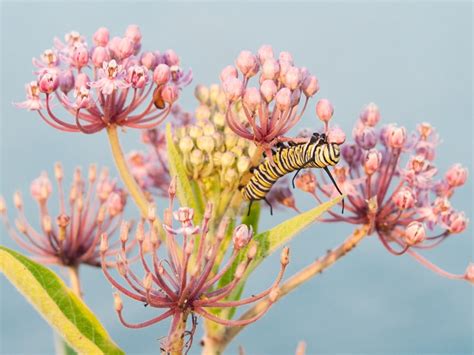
{"points": [[105, 84], [186, 283], [389, 180]]}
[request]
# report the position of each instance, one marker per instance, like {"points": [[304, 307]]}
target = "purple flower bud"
{"points": [[161, 74], [351, 154], [370, 115], [80, 56], [171, 58], [265, 53], [113, 46], [268, 90], [137, 76], [456, 222], [246, 62], [295, 97], [286, 57], [66, 81], [233, 89], [396, 136], [99, 56], [242, 236], [404, 198], [101, 37], [48, 82], [252, 98], [365, 137], [310, 86], [283, 99]]}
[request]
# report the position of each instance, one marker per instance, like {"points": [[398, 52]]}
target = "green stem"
{"points": [[127, 177]]}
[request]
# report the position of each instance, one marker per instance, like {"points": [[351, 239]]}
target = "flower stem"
{"points": [[296, 280], [127, 177], [74, 280]]}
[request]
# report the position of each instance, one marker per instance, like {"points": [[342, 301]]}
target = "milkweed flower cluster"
{"points": [[273, 107], [187, 281], [105, 83], [390, 180], [84, 214]]}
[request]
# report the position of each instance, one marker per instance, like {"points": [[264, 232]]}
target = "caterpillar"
{"points": [[316, 153]]}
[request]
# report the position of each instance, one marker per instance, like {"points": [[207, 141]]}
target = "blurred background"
{"points": [[414, 60]]}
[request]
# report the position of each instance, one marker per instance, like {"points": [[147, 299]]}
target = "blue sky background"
{"points": [[413, 60]]}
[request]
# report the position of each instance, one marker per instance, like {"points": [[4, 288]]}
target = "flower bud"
{"points": [[171, 58], [124, 230], [270, 69], [170, 93], [82, 80], [99, 56], [233, 89], [469, 273], [161, 74], [246, 63], [292, 78], [457, 222], [310, 86], [324, 110], [268, 89], [125, 48], [415, 233], [373, 159], [137, 76], [456, 175], [133, 33], [228, 72], [370, 116], [243, 164], [58, 171], [41, 188], [396, 137], [66, 81], [265, 53], [17, 200], [184, 215], [202, 93], [285, 256], [252, 99], [336, 135], [365, 137], [228, 158], [172, 188], [140, 232], [404, 198], [196, 158], [252, 251], [186, 144], [283, 99], [306, 182], [48, 82], [425, 130], [205, 143], [202, 113], [47, 224], [118, 305], [148, 60], [148, 281], [80, 56], [101, 37]]}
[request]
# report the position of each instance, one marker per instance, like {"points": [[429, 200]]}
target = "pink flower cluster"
{"points": [[390, 182], [180, 284], [84, 214], [105, 83], [271, 108]]}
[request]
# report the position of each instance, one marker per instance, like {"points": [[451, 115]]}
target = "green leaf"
{"points": [[189, 193], [271, 240], [58, 305], [254, 216]]}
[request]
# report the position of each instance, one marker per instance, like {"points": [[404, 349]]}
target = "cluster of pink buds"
{"points": [[73, 237], [185, 283], [105, 83], [389, 180], [272, 108]]}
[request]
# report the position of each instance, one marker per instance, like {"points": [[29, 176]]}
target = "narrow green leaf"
{"points": [[188, 191], [271, 240], [254, 216], [62, 309]]}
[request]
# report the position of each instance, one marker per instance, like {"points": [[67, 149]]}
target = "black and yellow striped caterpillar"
{"points": [[316, 153]]}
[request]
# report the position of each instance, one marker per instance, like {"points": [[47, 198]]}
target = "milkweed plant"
{"points": [[195, 187]]}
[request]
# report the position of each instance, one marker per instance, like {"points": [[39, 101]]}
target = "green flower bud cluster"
{"points": [[212, 153]]}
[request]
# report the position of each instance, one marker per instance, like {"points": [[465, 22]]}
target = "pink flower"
{"points": [[242, 236], [456, 175], [101, 37], [415, 233], [33, 101], [324, 110]]}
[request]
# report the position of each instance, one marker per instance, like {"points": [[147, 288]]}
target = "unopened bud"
{"points": [[243, 164], [17, 200], [324, 110], [118, 305], [252, 252], [242, 236], [172, 188], [415, 233], [104, 243], [92, 173], [124, 229], [469, 273], [285, 256], [140, 232], [151, 213]]}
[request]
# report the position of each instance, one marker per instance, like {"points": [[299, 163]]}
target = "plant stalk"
{"points": [[74, 280], [132, 187]]}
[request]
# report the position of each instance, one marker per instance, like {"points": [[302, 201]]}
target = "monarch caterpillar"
{"points": [[316, 153]]}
